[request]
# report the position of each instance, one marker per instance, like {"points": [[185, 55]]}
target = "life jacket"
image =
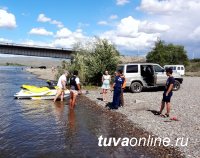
{"points": [[73, 84]]}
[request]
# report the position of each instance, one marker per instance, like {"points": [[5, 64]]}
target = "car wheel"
{"points": [[177, 85], [136, 87]]}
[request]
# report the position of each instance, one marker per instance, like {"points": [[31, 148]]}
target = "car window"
{"points": [[157, 68], [174, 68], [132, 69], [120, 68], [182, 68], [178, 68]]}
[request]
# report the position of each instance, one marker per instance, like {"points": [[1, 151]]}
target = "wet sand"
{"points": [[128, 129]]}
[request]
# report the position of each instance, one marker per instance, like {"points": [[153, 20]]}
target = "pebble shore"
{"points": [[138, 106], [185, 107]]}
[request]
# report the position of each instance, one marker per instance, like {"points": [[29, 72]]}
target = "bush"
{"points": [[195, 60], [194, 66], [103, 57]]}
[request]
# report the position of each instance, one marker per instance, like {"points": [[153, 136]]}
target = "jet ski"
{"points": [[39, 93]]}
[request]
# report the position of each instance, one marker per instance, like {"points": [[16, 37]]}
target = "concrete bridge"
{"points": [[16, 49]]}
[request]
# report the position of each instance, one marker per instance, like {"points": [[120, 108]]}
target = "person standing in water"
{"points": [[74, 89], [106, 84], [61, 86]]}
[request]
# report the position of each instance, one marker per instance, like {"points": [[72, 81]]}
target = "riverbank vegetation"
{"points": [[194, 65], [12, 64], [193, 69]]}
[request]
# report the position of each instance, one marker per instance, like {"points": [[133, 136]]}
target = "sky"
{"points": [[132, 26]]}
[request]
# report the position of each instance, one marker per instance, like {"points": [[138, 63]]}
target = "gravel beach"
{"points": [[185, 106], [139, 107]]}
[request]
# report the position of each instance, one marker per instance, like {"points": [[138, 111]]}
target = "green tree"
{"points": [[79, 63], [104, 57], [93, 60], [166, 54]]}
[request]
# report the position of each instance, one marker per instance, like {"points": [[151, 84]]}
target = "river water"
{"points": [[36, 128]]}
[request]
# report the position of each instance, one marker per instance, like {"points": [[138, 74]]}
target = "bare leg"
{"points": [[103, 94], [71, 100], [105, 97], [162, 106], [168, 107], [74, 100], [57, 95], [62, 96]]}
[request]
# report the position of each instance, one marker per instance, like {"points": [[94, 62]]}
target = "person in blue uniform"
{"points": [[117, 86]]}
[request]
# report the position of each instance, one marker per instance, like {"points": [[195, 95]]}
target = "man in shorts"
{"points": [[74, 89], [61, 86], [167, 93]]}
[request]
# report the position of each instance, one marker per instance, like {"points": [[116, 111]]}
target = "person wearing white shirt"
{"points": [[61, 86]]}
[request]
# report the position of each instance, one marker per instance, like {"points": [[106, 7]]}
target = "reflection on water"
{"points": [[71, 121], [41, 128]]}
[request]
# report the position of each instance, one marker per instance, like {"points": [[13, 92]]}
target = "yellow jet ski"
{"points": [[35, 92]]}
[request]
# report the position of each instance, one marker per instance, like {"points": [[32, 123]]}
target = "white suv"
{"points": [[145, 75]]}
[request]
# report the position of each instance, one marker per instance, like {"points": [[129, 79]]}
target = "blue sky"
{"points": [[132, 25]]}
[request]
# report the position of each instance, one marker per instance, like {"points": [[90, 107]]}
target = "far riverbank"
{"points": [[45, 74]]}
